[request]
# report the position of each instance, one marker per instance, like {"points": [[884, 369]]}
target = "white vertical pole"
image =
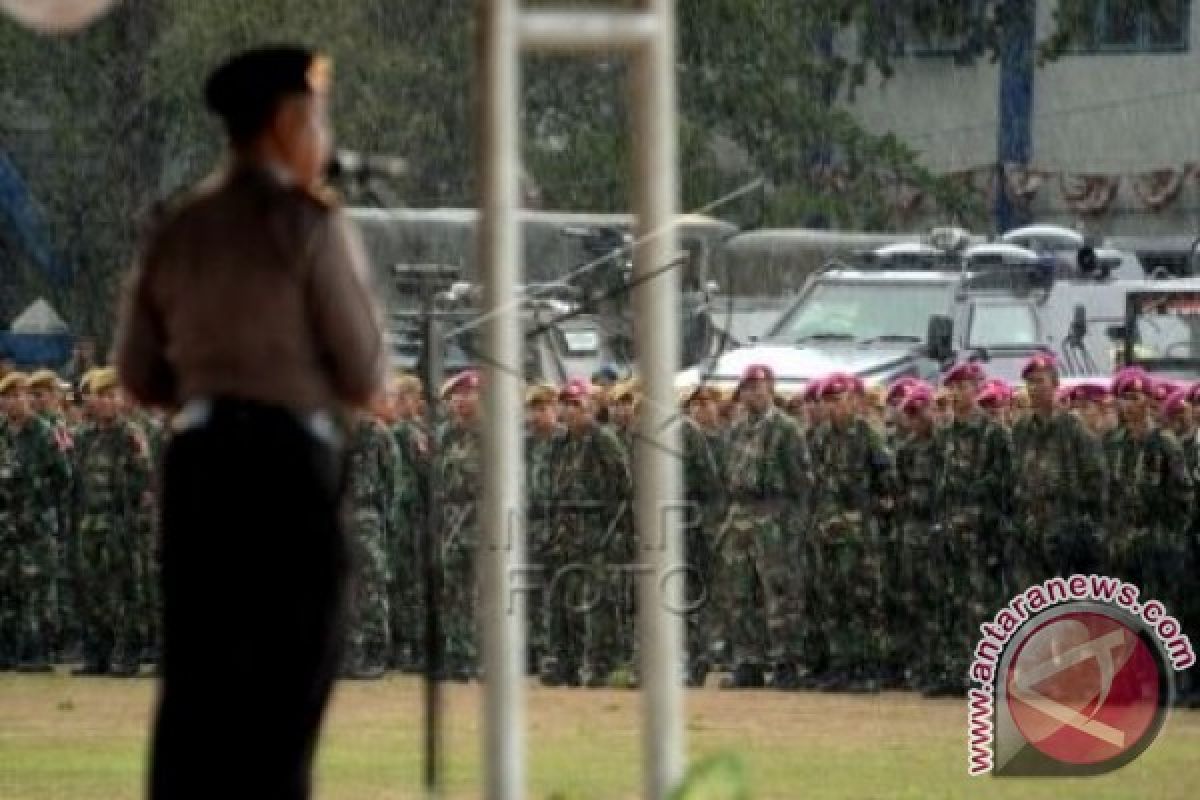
{"points": [[501, 512], [657, 488], [650, 39]]}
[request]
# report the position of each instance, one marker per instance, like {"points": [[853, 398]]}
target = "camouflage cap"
{"points": [[45, 379], [875, 396], [625, 390], [14, 381], [541, 394], [404, 383], [102, 379]]}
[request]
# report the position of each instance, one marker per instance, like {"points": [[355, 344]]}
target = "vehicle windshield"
{"points": [[862, 311], [1003, 326], [1167, 327]]}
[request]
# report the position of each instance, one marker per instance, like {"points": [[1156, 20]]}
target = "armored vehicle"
{"points": [[917, 308]]}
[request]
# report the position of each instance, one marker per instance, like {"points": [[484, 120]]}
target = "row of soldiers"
{"points": [[843, 537], [77, 554]]}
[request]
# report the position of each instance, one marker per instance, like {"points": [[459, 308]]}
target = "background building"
{"points": [[1106, 137]]}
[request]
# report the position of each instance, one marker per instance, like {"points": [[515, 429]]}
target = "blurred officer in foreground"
{"points": [[249, 312]]}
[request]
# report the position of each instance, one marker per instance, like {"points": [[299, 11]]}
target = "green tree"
{"points": [[760, 86]]}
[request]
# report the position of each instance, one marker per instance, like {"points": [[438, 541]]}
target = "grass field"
{"points": [[85, 739]]}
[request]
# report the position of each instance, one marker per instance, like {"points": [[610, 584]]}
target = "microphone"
{"points": [[362, 166]]}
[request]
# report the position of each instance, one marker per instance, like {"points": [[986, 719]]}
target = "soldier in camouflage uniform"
{"points": [[1150, 494], [10, 581], [406, 586], [372, 458], [543, 440], [1184, 424], [458, 474], [704, 489], [591, 478], [36, 474], [47, 399], [1091, 401], [112, 469], [918, 467], [1060, 478], [974, 484], [144, 534], [755, 580], [855, 485], [623, 401]]}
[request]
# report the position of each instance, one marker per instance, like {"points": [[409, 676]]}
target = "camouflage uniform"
{"points": [[920, 594], [1190, 564], [591, 478], [112, 468], [372, 459], [459, 481], [855, 482], [1149, 510], [768, 473], [623, 552], [35, 474], [704, 492], [146, 553], [68, 616], [405, 587], [541, 455], [1059, 478], [9, 581], [974, 485]]}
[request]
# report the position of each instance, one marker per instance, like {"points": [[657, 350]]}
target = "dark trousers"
{"points": [[253, 589]]}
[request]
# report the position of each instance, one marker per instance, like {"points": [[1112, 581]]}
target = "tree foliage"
{"points": [[122, 125]]}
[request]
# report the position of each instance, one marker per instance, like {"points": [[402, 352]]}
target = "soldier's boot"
{"points": [[598, 675], [744, 676], [834, 681], [864, 681], [89, 657], [785, 677], [38, 660], [125, 667], [696, 673]]}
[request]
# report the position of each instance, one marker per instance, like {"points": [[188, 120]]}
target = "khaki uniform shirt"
{"points": [[256, 290]]}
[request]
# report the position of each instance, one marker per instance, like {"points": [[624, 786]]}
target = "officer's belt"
{"points": [[201, 412]]}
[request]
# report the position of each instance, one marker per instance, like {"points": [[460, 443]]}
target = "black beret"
{"points": [[245, 91]]}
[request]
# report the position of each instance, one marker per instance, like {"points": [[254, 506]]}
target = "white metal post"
{"points": [[502, 510], [657, 468], [648, 35]]}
